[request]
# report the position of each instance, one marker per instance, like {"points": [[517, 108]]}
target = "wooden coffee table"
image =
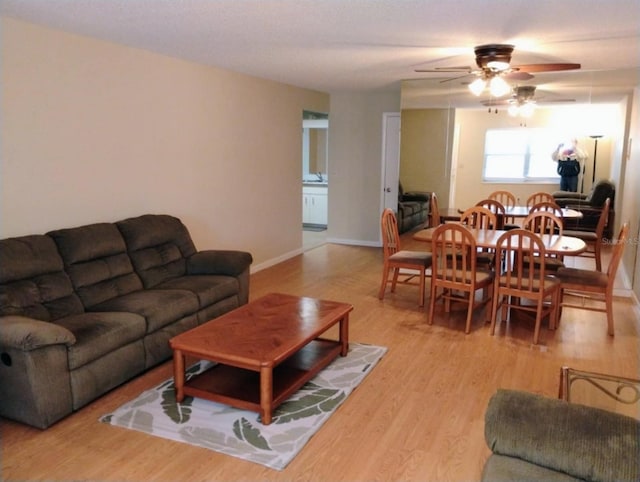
{"points": [[264, 350]]}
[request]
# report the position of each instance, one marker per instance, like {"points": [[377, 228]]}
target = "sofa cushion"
{"points": [[158, 245], [501, 468], [208, 288], [584, 442], [95, 256], [100, 333], [32, 280], [159, 307]]}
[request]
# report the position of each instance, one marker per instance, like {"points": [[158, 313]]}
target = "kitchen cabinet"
{"points": [[314, 205]]}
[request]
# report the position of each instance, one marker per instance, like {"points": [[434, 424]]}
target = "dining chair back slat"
{"points": [[455, 269], [414, 263], [521, 277], [538, 197], [497, 208], [545, 224]]}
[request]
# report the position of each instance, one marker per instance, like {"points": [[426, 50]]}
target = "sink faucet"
{"points": [[319, 175]]}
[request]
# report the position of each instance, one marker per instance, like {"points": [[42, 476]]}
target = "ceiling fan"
{"points": [[522, 102], [494, 66]]}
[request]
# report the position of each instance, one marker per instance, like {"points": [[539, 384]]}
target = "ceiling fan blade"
{"points": [[456, 78], [548, 101], [447, 69], [495, 102], [546, 67], [518, 75]]}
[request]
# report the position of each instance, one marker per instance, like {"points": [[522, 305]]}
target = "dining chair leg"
{"points": [[494, 310], [609, 306], [596, 254], [467, 328], [396, 273], [553, 315], [432, 303], [422, 285], [536, 330], [385, 281]]}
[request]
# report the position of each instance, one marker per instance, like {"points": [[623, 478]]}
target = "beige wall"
{"points": [[425, 151], [473, 125], [93, 131], [355, 165]]}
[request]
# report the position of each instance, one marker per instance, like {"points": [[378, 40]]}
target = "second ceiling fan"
{"points": [[494, 66]]}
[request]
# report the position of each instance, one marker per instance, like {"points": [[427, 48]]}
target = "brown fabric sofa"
{"points": [[413, 209], [82, 310]]}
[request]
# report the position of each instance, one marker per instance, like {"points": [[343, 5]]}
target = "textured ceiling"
{"points": [[356, 45]]}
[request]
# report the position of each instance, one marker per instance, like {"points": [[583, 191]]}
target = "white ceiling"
{"points": [[360, 45]]}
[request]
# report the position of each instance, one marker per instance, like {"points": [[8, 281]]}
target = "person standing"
{"points": [[570, 159]]}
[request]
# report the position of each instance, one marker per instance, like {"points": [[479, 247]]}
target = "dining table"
{"points": [[453, 214], [488, 238]]}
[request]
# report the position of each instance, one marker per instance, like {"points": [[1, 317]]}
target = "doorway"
{"points": [[315, 179]]}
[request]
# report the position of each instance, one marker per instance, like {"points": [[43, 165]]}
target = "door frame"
{"points": [[387, 156]]}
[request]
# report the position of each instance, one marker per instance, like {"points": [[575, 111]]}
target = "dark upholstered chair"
{"points": [[590, 205]]}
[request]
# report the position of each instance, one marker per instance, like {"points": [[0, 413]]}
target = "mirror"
{"points": [[446, 156], [315, 147]]}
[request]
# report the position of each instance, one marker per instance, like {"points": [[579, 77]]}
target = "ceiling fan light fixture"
{"points": [[477, 86], [498, 65], [527, 109], [513, 110], [498, 87]]}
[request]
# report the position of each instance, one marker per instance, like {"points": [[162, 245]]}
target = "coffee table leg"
{"points": [[266, 394], [344, 335], [178, 374]]}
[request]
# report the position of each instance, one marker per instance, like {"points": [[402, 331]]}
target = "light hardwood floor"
{"points": [[419, 415]]}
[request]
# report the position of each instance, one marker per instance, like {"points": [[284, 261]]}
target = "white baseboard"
{"points": [[274, 261], [355, 242]]}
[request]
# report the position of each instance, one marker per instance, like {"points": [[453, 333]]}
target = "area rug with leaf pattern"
{"points": [[239, 432]]}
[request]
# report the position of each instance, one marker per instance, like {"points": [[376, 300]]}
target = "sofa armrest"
{"points": [[34, 371], [223, 262], [569, 195], [584, 442], [416, 196], [26, 334]]}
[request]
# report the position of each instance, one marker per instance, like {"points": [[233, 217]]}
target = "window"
{"points": [[520, 155]]}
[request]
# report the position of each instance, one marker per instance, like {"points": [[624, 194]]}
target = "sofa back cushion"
{"points": [[601, 191], [158, 245], [95, 257], [32, 280]]}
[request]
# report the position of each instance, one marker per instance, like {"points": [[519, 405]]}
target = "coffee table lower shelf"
{"points": [[240, 387]]}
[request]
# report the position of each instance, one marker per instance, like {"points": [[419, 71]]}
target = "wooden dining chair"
{"points": [[521, 278], [550, 207], [545, 224], [497, 208], [593, 285], [397, 259], [480, 217], [538, 197], [458, 277], [434, 211], [508, 200], [593, 239]]}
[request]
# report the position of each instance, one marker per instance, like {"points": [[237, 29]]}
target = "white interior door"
{"points": [[390, 159]]}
